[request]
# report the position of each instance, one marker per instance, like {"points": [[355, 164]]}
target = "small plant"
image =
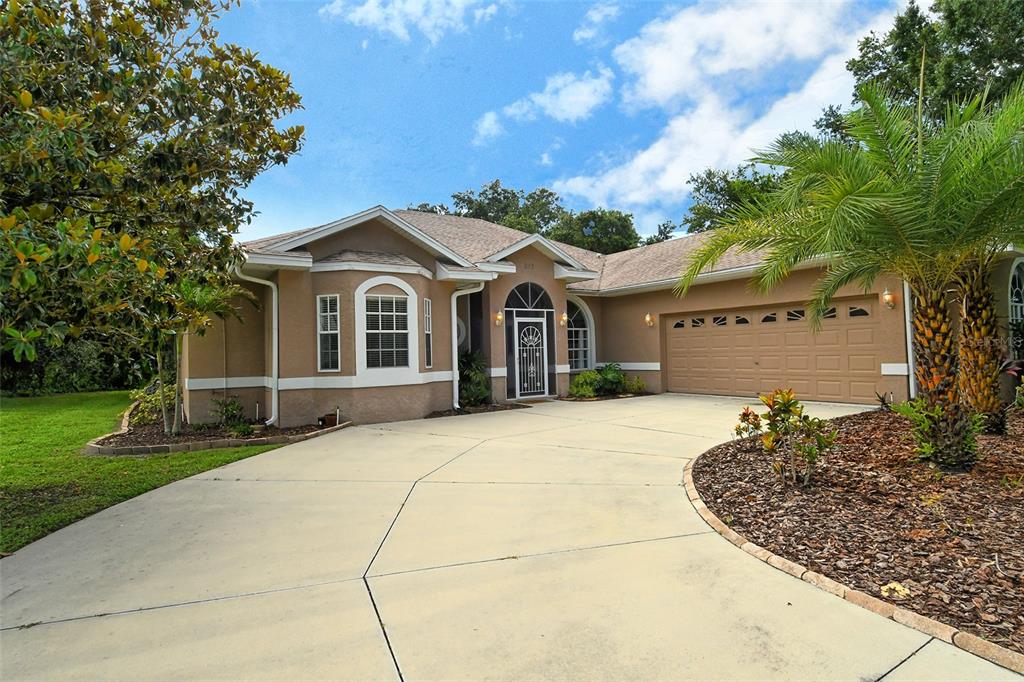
{"points": [[474, 384], [613, 379], [148, 409], [795, 441], [228, 411], [923, 424], [635, 385], [585, 384], [884, 401], [1018, 397], [241, 430]]}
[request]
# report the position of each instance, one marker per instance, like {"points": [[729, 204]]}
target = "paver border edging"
{"points": [[94, 448], [983, 648]]}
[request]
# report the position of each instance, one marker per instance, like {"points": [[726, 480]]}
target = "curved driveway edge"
{"points": [[964, 640]]}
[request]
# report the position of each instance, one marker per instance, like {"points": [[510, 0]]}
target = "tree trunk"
{"points": [[981, 350], [947, 437], [160, 384], [177, 384]]}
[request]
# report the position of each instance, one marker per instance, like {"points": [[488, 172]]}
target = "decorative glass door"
{"points": [[531, 357]]}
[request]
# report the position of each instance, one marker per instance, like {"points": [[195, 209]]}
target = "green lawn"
{"points": [[45, 481]]}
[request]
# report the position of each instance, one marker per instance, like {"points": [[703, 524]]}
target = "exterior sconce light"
{"points": [[649, 320], [498, 317], [889, 299], [563, 319]]}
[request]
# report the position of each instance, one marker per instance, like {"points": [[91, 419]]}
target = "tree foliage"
{"points": [[716, 192], [126, 132], [601, 230]]}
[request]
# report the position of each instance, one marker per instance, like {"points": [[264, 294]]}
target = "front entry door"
{"points": [[531, 357]]}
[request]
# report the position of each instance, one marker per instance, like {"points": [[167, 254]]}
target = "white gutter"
{"points": [[908, 303], [274, 377], [455, 337]]}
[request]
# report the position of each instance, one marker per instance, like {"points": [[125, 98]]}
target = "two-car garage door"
{"points": [[755, 350]]}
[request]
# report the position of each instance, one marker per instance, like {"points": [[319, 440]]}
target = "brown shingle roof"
{"points": [[352, 256], [476, 240]]}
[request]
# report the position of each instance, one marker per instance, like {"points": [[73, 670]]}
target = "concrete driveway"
{"points": [[547, 543]]}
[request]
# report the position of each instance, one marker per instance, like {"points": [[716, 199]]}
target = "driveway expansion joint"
{"points": [[972, 644]]}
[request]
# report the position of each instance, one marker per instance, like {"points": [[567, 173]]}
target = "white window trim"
{"points": [[318, 332], [428, 333], [384, 376], [591, 330]]}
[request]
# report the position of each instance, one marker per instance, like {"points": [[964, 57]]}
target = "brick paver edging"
{"points": [[94, 448], [976, 645]]}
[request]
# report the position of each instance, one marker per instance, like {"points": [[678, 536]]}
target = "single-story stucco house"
{"points": [[367, 315]]}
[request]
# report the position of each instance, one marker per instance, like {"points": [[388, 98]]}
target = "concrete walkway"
{"points": [[548, 543]]}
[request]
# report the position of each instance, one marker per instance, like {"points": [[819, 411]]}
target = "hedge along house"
{"points": [[368, 315]]}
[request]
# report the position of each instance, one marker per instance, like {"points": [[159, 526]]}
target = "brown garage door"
{"points": [[755, 350]]}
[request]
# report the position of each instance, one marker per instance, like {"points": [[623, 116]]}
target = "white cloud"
{"points": [[593, 21], [545, 159], [488, 127], [709, 123], [566, 97], [432, 18]]}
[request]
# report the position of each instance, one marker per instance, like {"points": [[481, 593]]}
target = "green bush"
{"points": [[635, 385], [585, 384], [474, 384], [78, 365], [228, 411], [148, 409], [1018, 400], [613, 379], [241, 430], [924, 423]]}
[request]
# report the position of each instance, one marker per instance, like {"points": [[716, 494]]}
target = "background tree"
{"points": [[126, 132], [908, 199], [665, 231], [601, 230], [716, 192]]}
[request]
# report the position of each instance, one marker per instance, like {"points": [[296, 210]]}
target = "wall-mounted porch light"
{"points": [[498, 317], [563, 319], [649, 319], [889, 299]]}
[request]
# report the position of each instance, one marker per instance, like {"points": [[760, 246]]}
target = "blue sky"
{"points": [[611, 104]]}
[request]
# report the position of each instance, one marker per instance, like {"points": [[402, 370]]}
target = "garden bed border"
{"points": [[94, 448], [983, 648]]}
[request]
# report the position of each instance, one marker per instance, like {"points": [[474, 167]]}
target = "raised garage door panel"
{"points": [[748, 351]]}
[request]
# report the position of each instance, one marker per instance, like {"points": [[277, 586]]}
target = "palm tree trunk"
{"points": [[981, 350], [947, 438], [160, 384], [176, 429]]}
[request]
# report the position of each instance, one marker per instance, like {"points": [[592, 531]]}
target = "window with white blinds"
{"points": [[428, 333], [387, 331], [328, 338]]}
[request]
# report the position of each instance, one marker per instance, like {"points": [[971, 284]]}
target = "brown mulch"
{"points": [[153, 434], [476, 409], [874, 514]]}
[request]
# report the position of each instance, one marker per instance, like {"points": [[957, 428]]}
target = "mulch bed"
{"points": [[477, 409], [153, 434], [874, 514]]}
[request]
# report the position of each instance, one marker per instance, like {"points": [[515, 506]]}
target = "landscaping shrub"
{"points": [[794, 440], [613, 379], [148, 409], [635, 385], [585, 384], [1018, 400], [228, 411], [76, 366], [474, 384], [922, 422], [242, 430]]}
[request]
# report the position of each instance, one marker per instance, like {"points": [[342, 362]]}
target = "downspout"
{"points": [[479, 286], [272, 419], [908, 304]]}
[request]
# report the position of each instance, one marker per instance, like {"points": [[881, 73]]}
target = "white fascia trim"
{"points": [[562, 369], [388, 376], [503, 267], [215, 383], [573, 274], [445, 274], [373, 267], [498, 371], [371, 380], [895, 369], [540, 242], [635, 366], [369, 214], [295, 261]]}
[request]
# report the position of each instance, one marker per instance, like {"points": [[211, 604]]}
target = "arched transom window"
{"points": [[528, 296], [580, 341]]}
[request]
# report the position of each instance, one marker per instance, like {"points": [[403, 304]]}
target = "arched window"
{"points": [[580, 337], [1016, 315], [528, 296]]}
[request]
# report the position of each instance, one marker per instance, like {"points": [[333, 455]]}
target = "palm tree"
{"points": [[907, 198]]}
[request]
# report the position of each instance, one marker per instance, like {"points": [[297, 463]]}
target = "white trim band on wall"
{"points": [[636, 366], [562, 369], [895, 369], [497, 372], [318, 382], [214, 383]]}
